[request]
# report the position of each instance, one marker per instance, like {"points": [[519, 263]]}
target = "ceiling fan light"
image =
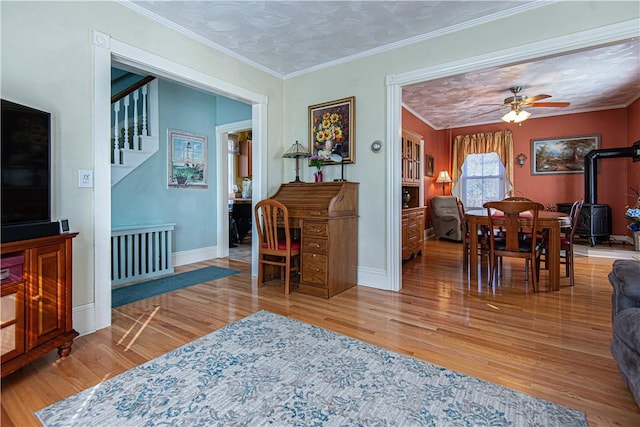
{"points": [[514, 116]]}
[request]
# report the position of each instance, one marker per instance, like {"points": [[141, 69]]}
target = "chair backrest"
{"points": [[463, 223], [444, 206], [516, 199], [509, 217], [575, 215], [272, 224]]}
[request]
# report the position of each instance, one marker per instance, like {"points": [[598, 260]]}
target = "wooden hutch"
{"points": [[412, 213]]}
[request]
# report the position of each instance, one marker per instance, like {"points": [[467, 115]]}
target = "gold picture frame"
{"points": [[332, 123], [553, 156]]}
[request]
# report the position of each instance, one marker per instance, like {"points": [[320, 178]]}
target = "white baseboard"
{"points": [[195, 255], [84, 319], [373, 278]]}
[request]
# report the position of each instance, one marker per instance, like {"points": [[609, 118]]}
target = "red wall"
{"points": [[436, 144], [617, 128]]}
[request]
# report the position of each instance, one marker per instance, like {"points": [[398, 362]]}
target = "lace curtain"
{"points": [[500, 142]]}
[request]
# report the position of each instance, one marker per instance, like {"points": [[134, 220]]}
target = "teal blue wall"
{"points": [[143, 196]]}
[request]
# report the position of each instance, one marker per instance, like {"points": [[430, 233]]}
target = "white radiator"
{"points": [[140, 252]]}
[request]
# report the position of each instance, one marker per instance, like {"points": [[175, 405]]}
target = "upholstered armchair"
{"points": [[445, 218]]}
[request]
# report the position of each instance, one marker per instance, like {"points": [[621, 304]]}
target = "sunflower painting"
{"points": [[330, 124]]}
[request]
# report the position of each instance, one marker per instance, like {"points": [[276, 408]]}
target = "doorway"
{"points": [[239, 175], [106, 51]]}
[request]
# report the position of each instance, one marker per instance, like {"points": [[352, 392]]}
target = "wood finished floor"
{"points": [[552, 345]]}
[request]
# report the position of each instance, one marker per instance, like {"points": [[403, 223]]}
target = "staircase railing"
{"points": [[126, 136]]}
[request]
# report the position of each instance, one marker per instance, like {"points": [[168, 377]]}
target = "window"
{"points": [[483, 179]]}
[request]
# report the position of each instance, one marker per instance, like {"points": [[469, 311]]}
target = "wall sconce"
{"points": [[521, 159]]}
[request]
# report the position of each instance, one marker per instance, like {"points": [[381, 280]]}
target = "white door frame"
{"points": [[614, 33], [106, 49]]}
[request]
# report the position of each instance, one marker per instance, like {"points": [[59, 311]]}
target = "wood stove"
{"points": [[594, 222], [595, 219]]}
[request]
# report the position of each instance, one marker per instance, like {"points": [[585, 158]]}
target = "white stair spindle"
{"points": [[126, 122], [116, 140], [144, 111], [136, 133]]}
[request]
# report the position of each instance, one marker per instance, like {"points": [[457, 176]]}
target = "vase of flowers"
{"points": [[633, 214], [318, 160]]}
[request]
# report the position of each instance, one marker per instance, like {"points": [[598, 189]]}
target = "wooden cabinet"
{"points": [[411, 162], [245, 160], [412, 232], [37, 307], [327, 215]]}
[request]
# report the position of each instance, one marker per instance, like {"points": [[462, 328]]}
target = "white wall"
{"points": [[47, 63], [47, 55], [365, 79]]}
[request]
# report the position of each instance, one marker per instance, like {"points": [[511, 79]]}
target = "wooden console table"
{"points": [[36, 301], [326, 214]]}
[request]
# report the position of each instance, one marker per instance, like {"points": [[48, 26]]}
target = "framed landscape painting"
{"points": [[561, 155], [333, 123], [187, 159]]}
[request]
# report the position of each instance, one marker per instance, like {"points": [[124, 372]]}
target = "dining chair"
{"points": [[483, 241], [275, 244], [507, 214], [566, 243]]}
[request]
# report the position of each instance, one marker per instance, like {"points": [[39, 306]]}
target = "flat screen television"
{"points": [[26, 172]]}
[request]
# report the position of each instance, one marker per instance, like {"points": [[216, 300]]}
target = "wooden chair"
{"points": [[275, 245], [566, 244], [514, 243], [483, 242]]}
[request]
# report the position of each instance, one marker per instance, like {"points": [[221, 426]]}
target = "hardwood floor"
{"points": [[552, 345]]}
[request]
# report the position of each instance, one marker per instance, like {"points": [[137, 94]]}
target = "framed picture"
{"points": [[330, 124], [428, 165], [187, 159], [561, 155]]}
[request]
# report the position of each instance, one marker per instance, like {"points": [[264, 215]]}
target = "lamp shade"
{"points": [[296, 151], [443, 177], [516, 116]]}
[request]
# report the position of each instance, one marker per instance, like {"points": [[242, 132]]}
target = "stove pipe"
{"points": [[590, 176]]}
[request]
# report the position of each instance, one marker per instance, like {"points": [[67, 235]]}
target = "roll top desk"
{"points": [[326, 214]]}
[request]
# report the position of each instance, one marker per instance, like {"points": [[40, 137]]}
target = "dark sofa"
{"points": [[625, 313]]}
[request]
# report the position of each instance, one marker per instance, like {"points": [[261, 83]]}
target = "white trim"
{"points": [[372, 278], [107, 49], [84, 319], [194, 255], [222, 132], [587, 39]]}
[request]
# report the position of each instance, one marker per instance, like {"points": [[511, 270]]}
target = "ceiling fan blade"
{"points": [[487, 112], [550, 104], [533, 99]]}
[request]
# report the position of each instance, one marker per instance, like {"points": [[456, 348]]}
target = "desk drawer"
{"points": [[314, 268], [314, 245], [315, 228]]}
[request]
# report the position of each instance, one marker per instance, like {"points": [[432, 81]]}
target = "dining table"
{"points": [[554, 222]]}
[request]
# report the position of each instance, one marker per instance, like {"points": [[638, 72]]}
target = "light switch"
{"points": [[85, 178]]}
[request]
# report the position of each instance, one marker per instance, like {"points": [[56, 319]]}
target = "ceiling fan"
{"points": [[517, 103]]}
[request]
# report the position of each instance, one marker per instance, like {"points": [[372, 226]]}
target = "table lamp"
{"points": [[443, 177], [296, 152]]}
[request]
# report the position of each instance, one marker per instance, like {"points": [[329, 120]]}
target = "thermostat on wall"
{"points": [[64, 226]]}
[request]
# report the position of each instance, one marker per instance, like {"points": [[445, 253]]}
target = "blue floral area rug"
{"points": [[271, 370], [151, 288]]}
